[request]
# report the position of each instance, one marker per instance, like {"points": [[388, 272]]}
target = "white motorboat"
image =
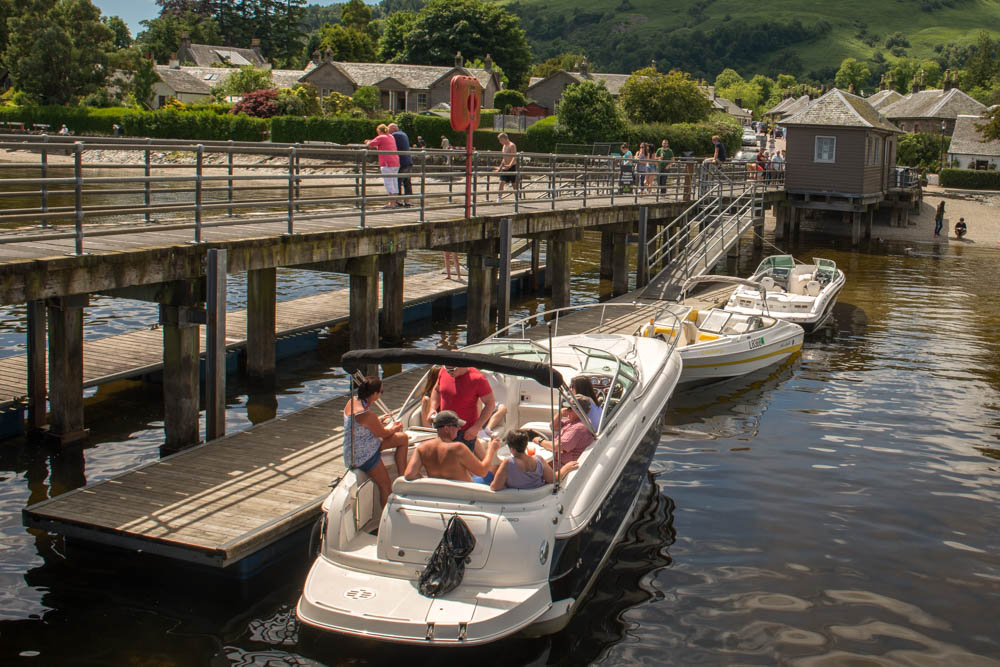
{"points": [[537, 551], [717, 344], [800, 293]]}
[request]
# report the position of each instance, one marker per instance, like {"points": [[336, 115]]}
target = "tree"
{"points": [[336, 104], [649, 96], [728, 77], [143, 77], [122, 37], [391, 45], [981, 66], [505, 99], [589, 113], [57, 50], [300, 100], [852, 73], [244, 80], [563, 62], [474, 27], [747, 93], [356, 15], [366, 98], [347, 44], [258, 103], [162, 35]]}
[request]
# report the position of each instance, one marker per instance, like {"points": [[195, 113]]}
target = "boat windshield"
{"points": [[826, 269], [776, 265], [525, 350], [716, 321]]}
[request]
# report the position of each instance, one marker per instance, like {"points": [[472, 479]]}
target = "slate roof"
{"points": [[793, 107], [934, 103], [779, 106], [613, 82], [731, 108], [840, 109], [183, 82], [418, 77], [884, 98], [968, 140], [204, 55]]}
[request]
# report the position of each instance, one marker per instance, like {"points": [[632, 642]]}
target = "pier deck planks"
{"points": [[104, 361]]}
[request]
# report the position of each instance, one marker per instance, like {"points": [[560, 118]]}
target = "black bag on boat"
{"points": [[446, 567]]}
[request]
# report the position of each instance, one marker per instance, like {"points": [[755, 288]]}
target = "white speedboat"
{"points": [[537, 551], [717, 344], [800, 293]]}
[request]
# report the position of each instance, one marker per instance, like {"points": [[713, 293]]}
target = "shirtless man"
{"points": [[447, 458], [508, 165]]}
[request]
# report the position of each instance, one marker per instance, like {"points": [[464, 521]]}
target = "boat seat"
{"points": [[544, 428], [813, 288], [689, 334], [432, 487]]}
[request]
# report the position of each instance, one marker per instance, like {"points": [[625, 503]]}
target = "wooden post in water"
{"points": [[392, 266], [364, 304], [869, 221], [856, 228], [535, 263], [503, 283], [607, 260], [215, 346], [642, 251], [558, 263], [36, 366], [66, 368], [181, 357], [478, 307], [619, 264], [261, 303]]}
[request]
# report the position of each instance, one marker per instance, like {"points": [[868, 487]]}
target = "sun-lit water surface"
{"points": [[840, 508]]}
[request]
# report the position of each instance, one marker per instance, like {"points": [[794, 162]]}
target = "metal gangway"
{"points": [[727, 206]]}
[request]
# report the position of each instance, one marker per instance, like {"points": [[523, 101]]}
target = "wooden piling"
{"points": [[36, 366], [364, 303], [66, 369], [391, 325], [478, 305], [619, 276], [558, 263], [181, 399], [261, 339]]}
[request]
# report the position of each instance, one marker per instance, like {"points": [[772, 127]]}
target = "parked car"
{"points": [[749, 137], [746, 154]]}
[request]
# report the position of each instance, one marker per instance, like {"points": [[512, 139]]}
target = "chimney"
{"points": [[850, 89], [915, 84], [946, 82], [923, 80], [328, 55], [584, 67], [458, 59], [255, 47], [174, 63], [881, 83], [317, 58], [488, 63], [185, 44]]}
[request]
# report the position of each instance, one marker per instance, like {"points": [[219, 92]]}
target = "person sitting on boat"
{"points": [[365, 436], [525, 470], [574, 436], [460, 389], [582, 385], [426, 404], [446, 457]]}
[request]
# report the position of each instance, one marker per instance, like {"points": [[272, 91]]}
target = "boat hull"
{"points": [[810, 321], [748, 353]]}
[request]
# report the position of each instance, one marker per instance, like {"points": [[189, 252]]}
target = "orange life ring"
{"points": [[465, 102]]}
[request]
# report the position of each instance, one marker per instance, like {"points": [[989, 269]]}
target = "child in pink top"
{"points": [[388, 162]]}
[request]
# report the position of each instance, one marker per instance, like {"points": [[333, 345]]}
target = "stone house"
{"points": [[206, 55], [968, 147], [933, 110], [193, 85], [401, 87], [548, 90]]}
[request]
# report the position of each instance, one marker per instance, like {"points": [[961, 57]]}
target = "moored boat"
{"points": [[801, 293], [536, 551]]}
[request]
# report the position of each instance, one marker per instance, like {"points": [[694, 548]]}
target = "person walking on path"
{"points": [[388, 162], [666, 161], [939, 219], [405, 162], [508, 165]]}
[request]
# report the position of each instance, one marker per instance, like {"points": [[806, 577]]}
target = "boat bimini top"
{"points": [[534, 370]]}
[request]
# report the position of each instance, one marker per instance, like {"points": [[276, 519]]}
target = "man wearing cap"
{"points": [[460, 388], [447, 458]]}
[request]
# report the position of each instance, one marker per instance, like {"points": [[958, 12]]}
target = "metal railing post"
{"points": [[612, 178], [147, 188], [364, 184], [229, 186], [293, 162], [586, 178], [423, 181], [475, 180], [298, 170], [78, 193], [517, 180], [552, 180], [199, 162], [45, 174]]}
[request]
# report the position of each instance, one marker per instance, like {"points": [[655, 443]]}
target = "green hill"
{"points": [[805, 38]]}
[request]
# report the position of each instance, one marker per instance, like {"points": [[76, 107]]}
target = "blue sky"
{"points": [[134, 11]]}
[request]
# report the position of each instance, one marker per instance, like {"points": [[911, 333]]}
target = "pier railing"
{"points": [[129, 185]]}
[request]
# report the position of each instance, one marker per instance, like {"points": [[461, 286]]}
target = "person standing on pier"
{"points": [[665, 156], [388, 162], [508, 165], [405, 162]]}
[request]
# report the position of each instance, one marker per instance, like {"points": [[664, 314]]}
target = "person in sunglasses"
{"points": [[460, 388]]}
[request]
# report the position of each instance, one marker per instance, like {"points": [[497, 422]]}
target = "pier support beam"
{"points": [[391, 323], [36, 367], [641, 256], [478, 306], [363, 302], [797, 216], [181, 355], [558, 262], [619, 275], [261, 339], [869, 222], [855, 228], [66, 368], [607, 255], [535, 263]]}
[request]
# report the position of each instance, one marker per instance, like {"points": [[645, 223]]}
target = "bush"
{"points": [[295, 129], [505, 99], [486, 118], [81, 120], [258, 104], [543, 136], [206, 125], [970, 179], [921, 149], [685, 137]]}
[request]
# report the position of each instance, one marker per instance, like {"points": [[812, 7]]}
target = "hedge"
{"points": [[970, 179], [80, 120]]}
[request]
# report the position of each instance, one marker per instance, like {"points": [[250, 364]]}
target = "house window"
{"points": [[826, 149], [161, 100], [421, 101]]}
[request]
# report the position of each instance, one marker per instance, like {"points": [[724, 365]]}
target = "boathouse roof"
{"points": [[934, 103], [968, 138], [841, 109]]}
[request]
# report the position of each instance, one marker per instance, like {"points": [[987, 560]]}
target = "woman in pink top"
{"points": [[389, 162]]}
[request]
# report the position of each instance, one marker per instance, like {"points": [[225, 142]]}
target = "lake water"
{"points": [[842, 508]]}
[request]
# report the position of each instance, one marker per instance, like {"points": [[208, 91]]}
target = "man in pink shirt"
{"points": [[459, 389], [574, 436], [388, 162]]}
